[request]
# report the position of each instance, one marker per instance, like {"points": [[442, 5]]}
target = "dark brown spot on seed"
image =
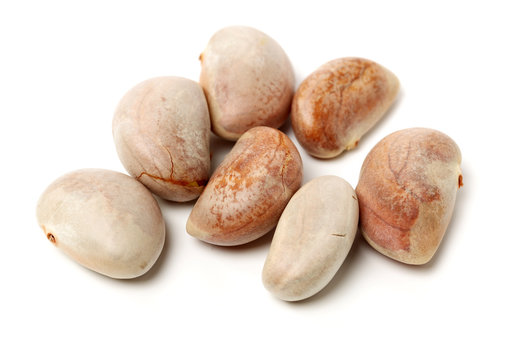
{"points": [[51, 238]]}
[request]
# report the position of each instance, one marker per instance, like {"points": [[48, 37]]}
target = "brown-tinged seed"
{"points": [[339, 102], [406, 190], [249, 190]]}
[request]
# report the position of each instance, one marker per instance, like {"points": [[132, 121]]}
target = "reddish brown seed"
{"points": [[339, 102], [249, 190], [406, 191]]}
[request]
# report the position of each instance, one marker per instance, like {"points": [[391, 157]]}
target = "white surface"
{"points": [[65, 66]]}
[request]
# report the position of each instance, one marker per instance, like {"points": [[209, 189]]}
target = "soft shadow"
{"points": [[287, 126], [166, 204], [219, 149], [261, 242]]}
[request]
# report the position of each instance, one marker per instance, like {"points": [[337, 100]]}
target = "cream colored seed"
{"points": [[161, 131], [312, 239], [104, 220], [248, 80]]}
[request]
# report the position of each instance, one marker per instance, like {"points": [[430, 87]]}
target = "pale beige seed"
{"points": [[312, 239], [104, 220], [248, 80], [161, 131]]}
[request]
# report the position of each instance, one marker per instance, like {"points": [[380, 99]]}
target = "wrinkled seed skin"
{"points": [[248, 81], [104, 220], [406, 190], [339, 102], [249, 190], [161, 130], [312, 239]]}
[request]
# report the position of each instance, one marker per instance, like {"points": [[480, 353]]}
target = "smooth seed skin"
{"points": [[406, 190], [161, 130], [312, 239], [249, 190], [104, 220], [339, 102], [248, 81]]}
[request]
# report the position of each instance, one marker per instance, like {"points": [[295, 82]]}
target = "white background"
{"points": [[65, 65]]}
